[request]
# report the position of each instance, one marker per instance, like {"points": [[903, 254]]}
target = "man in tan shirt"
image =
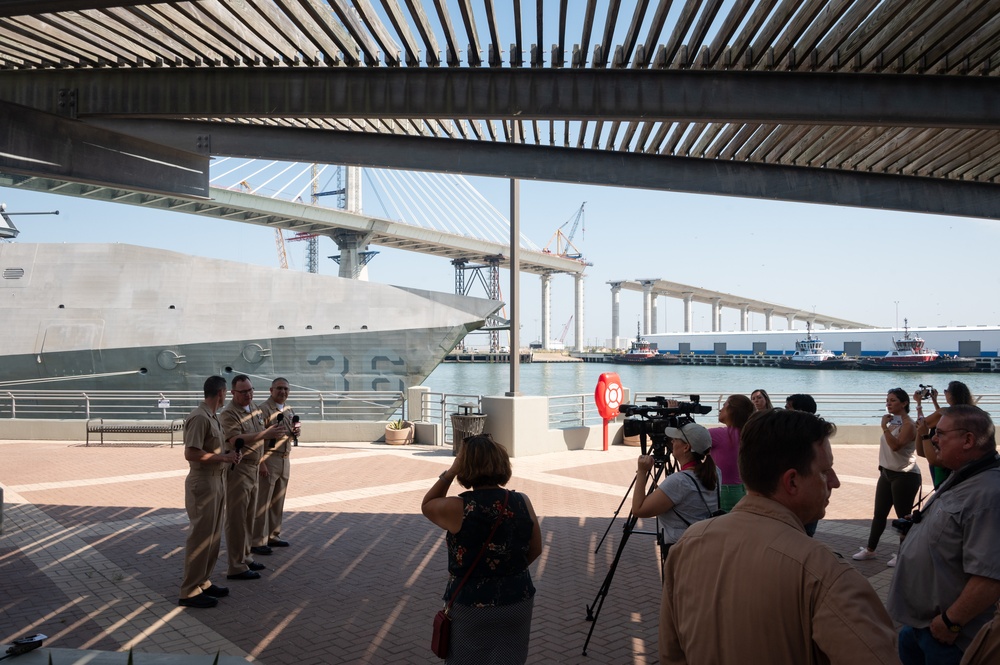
{"points": [[204, 493], [275, 468], [241, 421], [751, 586]]}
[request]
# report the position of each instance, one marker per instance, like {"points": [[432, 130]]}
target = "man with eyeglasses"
{"points": [[948, 572], [242, 422], [274, 470]]}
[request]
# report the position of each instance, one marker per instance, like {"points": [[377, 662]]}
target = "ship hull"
{"points": [[125, 318], [936, 365], [789, 363]]}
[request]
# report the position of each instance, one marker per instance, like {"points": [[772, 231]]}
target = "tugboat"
{"points": [[640, 351], [810, 354], [910, 355]]}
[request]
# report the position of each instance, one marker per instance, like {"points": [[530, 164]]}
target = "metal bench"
{"points": [[102, 427]]}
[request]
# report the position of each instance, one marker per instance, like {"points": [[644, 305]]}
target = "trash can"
{"points": [[464, 424]]}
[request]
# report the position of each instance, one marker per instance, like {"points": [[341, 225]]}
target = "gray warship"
{"points": [[128, 318]]}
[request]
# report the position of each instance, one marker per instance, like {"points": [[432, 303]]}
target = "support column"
{"points": [[578, 313], [791, 320], [546, 309], [352, 203], [687, 311], [716, 314], [351, 244], [744, 316], [616, 296], [515, 288], [767, 318], [654, 315], [647, 304]]}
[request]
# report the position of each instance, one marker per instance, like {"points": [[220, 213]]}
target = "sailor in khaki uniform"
{"points": [[274, 482], [204, 492], [241, 420]]}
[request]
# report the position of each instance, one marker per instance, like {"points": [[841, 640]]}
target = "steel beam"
{"points": [[28, 7], [525, 94], [48, 146], [641, 171]]}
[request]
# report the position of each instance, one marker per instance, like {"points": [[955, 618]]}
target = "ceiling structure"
{"points": [[890, 104]]}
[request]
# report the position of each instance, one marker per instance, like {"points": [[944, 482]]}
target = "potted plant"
{"points": [[399, 432]]}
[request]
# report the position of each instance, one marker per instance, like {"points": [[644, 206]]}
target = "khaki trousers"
{"points": [[241, 504], [204, 493], [271, 500]]}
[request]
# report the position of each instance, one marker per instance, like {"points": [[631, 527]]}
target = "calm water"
{"points": [[683, 380]]}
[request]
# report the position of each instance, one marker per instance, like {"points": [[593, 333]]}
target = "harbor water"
{"points": [[681, 381]]}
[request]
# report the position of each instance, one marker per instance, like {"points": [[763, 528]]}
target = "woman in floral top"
{"points": [[491, 616]]}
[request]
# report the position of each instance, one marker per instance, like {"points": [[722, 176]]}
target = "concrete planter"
{"points": [[399, 437]]}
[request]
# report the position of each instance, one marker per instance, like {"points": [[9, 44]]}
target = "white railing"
{"points": [[439, 407], [85, 405]]}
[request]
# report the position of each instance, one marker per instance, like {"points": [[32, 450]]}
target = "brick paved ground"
{"points": [[92, 555]]}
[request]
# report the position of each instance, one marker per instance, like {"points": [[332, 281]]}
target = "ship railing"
{"points": [[149, 405]]}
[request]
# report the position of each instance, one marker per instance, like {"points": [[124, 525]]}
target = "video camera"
{"points": [[649, 422], [925, 391]]}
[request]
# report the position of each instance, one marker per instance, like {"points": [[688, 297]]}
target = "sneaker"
{"points": [[891, 562], [863, 555]]}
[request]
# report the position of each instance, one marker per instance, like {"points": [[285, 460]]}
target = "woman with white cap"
{"points": [[685, 497]]}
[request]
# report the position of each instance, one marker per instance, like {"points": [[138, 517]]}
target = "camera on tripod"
{"points": [[649, 422], [925, 391]]}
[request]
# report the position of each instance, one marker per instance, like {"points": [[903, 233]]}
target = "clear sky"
{"points": [[847, 262]]}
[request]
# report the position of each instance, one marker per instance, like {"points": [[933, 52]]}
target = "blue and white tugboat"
{"points": [[810, 354]]}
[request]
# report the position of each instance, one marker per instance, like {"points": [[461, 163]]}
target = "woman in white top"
{"points": [[899, 475]]}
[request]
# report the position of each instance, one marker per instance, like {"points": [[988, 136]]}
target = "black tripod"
{"points": [[594, 609]]}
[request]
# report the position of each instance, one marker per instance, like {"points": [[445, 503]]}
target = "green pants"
{"points": [[730, 494]]}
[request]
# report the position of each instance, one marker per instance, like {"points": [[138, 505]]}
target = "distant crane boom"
{"points": [[564, 242], [562, 337]]}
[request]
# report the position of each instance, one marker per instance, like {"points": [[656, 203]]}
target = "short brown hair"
{"points": [[482, 461], [777, 440]]}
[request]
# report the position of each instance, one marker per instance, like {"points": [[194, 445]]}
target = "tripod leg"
{"points": [[594, 610]]}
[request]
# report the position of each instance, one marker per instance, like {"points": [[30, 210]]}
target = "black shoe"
{"points": [[277, 542], [245, 575], [216, 591], [201, 600], [263, 550], [256, 566]]}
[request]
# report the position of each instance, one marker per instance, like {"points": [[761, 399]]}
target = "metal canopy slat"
{"points": [[379, 32], [410, 45], [453, 53], [320, 16]]}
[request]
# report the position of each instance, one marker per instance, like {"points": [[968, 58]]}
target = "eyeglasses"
{"points": [[942, 432], [248, 391]]}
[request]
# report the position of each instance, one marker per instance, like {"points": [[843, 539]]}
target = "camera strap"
{"points": [[968, 471], [697, 486]]}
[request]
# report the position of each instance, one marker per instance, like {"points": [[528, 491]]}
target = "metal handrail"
{"points": [[150, 405]]}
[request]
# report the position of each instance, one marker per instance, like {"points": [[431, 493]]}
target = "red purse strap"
{"points": [[480, 555]]}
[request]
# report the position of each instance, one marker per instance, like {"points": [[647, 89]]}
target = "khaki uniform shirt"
{"points": [[269, 412], [752, 587], [236, 421], [203, 430]]}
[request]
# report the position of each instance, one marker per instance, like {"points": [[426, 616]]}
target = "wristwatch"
{"points": [[953, 627]]}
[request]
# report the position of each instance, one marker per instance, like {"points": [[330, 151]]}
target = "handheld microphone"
{"points": [[295, 439], [277, 419], [239, 447]]}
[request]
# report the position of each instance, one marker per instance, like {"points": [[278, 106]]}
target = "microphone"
{"points": [[239, 447], [295, 439], [277, 419]]}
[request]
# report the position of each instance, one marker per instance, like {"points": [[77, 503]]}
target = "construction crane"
{"points": [[564, 241], [562, 337]]}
